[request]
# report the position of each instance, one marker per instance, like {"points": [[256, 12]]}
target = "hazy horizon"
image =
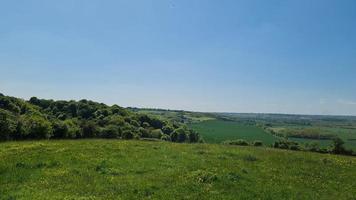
{"points": [[288, 57]]}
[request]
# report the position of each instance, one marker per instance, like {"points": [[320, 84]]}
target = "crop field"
{"points": [[217, 131], [116, 169]]}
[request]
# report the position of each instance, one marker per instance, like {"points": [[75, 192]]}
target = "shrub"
{"points": [[286, 144], [179, 135], [239, 142], [167, 129], [110, 131], [157, 133], [144, 133], [37, 126], [257, 143], [338, 147], [127, 134], [166, 137]]}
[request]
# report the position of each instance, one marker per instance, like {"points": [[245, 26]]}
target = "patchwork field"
{"points": [[217, 131], [114, 169], [346, 134]]}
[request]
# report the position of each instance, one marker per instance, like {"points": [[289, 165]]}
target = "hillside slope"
{"points": [[116, 169]]}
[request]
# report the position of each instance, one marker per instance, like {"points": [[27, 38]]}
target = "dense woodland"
{"points": [[47, 119]]}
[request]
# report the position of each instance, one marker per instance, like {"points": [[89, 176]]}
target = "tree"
{"points": [[157, 133], [110, 131], [167, 129], [90, 129], [37, 127], [127, 134], [60, 129], [8, 125], [193, 136], [74, 130], [144, 133], [179, 135], [166, 137], [338, 146]]}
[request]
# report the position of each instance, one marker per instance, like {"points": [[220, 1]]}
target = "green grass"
{"points": [[217, 131], [114, 169]]}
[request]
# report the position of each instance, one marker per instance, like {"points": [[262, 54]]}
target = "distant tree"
{"points": [[135, 123], [37, 127], [127, 134], [74, 130], [157, 133], [146, 125], [144, 133], [179, 135], [193, 136], [8, 125], [166, 137], [257, 143], [60, 129], [338, 146], [111, 131], [167, 129], [89, 129]]}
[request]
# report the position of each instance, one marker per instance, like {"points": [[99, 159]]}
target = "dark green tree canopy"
{"points": [[46, 119]]}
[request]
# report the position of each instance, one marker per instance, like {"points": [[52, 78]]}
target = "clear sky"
{"points": [[275, 56]]}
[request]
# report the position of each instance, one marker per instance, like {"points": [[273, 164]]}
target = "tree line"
{"points": [[49, 119]]}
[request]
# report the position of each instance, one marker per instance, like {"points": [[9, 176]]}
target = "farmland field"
{"points": [[347, 135], [217, 131], [116, 169]]}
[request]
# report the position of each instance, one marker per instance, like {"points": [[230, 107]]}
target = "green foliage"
{"points": [[111, 131], [127, 134], [157, 133], [338, 147], [239, 142], [286, 144], [166, 137], [36, 126], [8, 125], [179, 135], [257, 143], [44, 119]]}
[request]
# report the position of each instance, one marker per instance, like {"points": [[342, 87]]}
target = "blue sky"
{"points": [[276, 56]]}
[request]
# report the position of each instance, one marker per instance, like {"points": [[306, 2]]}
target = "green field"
{"points": [[347, 135], [114, 169], [217, 131]]}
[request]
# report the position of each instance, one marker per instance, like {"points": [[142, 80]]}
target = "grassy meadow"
{"points": [[217, 131], [116, 169]]}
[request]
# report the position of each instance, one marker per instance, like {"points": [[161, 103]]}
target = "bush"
{"points": [[110, 131], [166, 137], [156, 133], [257, 143], [167, 129], [36, 126], [338, 147], [90, 129], [286, 144], [239, 142], [127, 134], [8, 125], [74, 130]]}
